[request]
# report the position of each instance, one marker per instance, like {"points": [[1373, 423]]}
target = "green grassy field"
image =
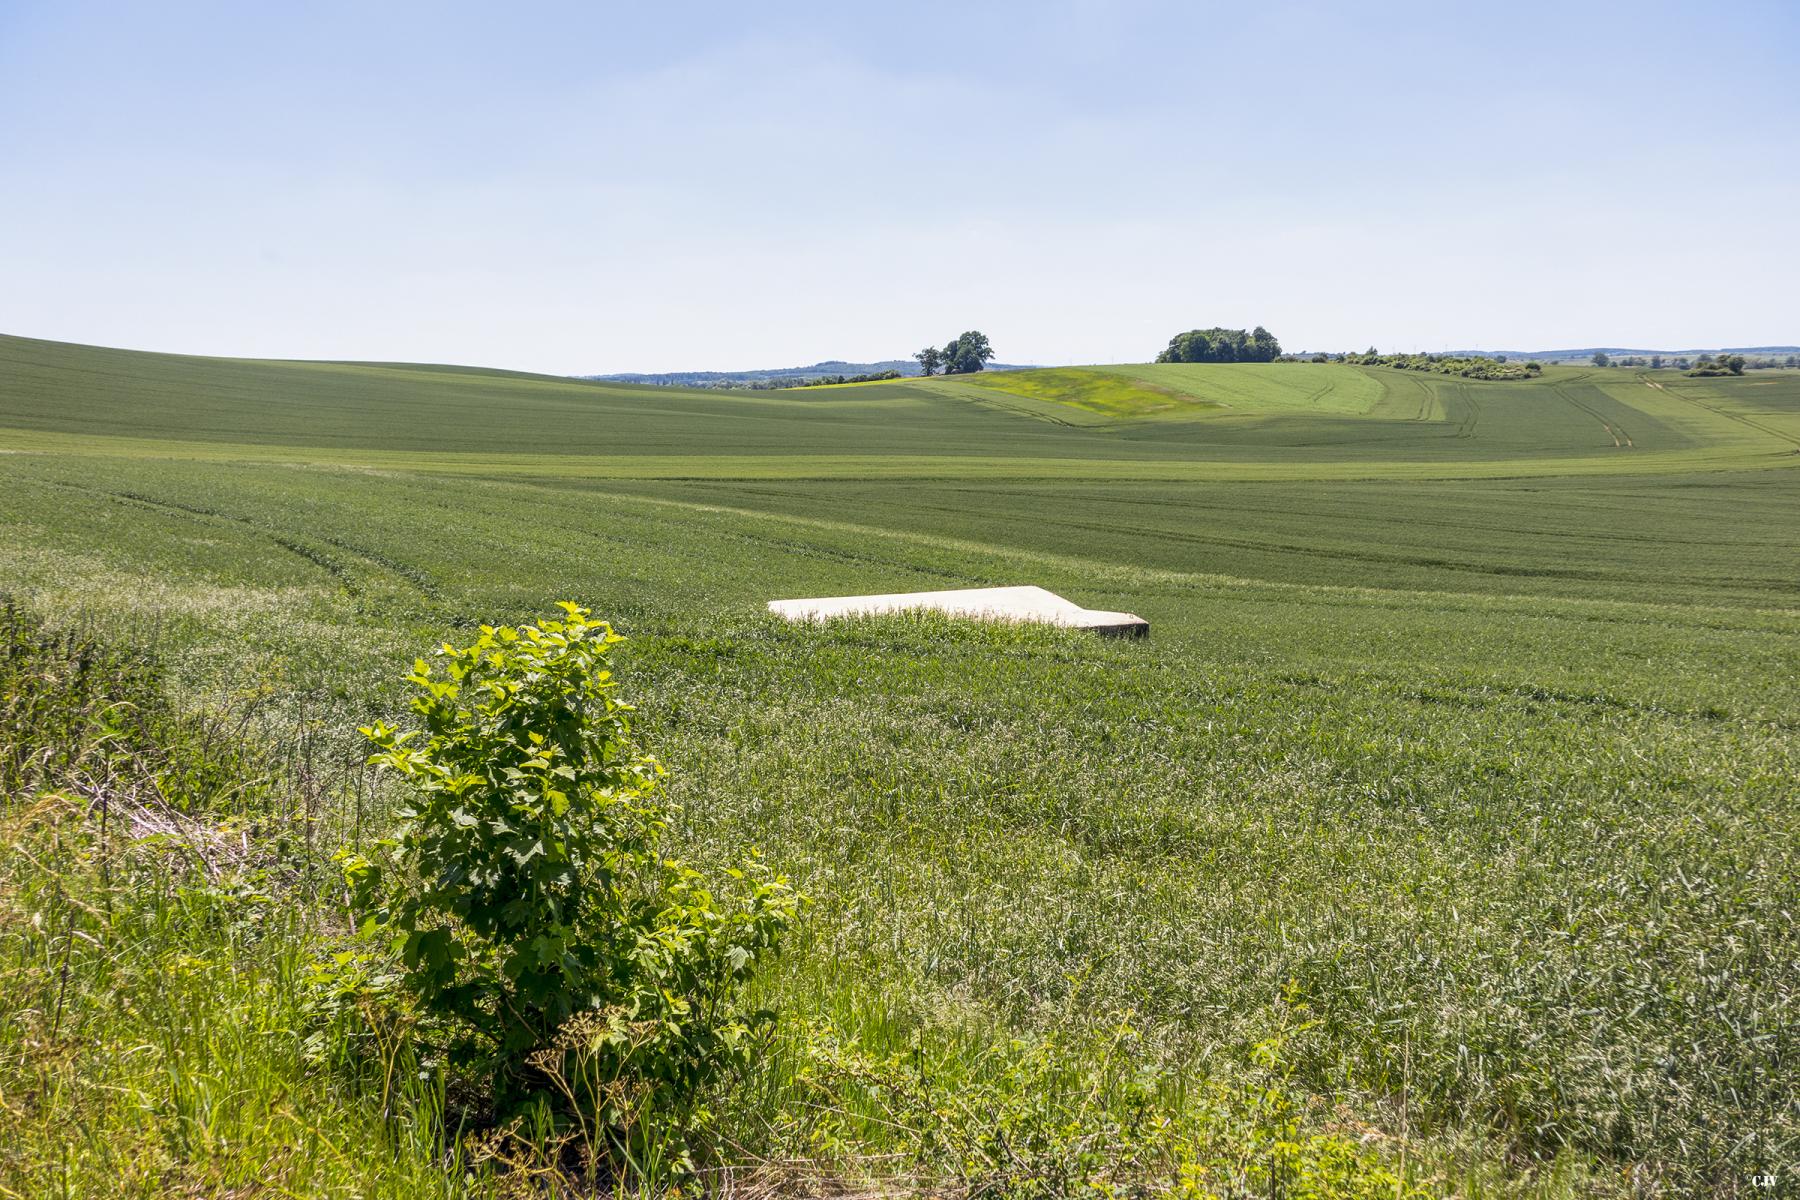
{"points": [[1459, 763], [1165, 391]]}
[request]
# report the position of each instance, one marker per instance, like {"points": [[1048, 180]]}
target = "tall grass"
{"points": [[157, 917], [176, 1021]]}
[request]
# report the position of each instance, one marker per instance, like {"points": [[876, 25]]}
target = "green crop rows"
{"points": [[1467, 730]]}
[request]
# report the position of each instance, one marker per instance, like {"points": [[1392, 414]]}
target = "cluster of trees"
{"points": [[1725, 364], [1221, 346], [964, 356], [1468, 366]]}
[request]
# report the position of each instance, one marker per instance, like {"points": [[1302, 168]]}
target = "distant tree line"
{"points": [[1705, 364], [1218, 345], [1467, 366], [780, 383], [964, 356], [742, 385], [1655, 362], [829, 380]]}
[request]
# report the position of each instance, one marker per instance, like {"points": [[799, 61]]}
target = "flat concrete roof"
{"points": [[1026, 603]]}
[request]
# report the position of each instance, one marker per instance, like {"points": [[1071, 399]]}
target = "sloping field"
{"points": [[1456, 780], [1255, 422], [1167, 391]]}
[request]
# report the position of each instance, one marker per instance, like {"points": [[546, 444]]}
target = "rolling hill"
{"points": [[1294, 420]]}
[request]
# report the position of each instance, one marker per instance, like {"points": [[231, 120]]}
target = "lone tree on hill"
{"points": [[967, 354], [930, 359], [1601, 359], [1221, 345]]}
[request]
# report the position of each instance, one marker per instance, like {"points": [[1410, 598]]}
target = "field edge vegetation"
{"points": [[189, 1010]]}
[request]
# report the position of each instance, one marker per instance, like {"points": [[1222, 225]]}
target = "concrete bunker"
{"points": [[1026, 603]]}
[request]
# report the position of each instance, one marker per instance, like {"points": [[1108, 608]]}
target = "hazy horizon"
{"points": [[599, 189]]}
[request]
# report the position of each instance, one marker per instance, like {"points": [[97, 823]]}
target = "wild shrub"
{"points": [[534, 915]]}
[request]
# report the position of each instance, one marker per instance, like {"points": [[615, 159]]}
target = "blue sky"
{"points": [[599, 187]]}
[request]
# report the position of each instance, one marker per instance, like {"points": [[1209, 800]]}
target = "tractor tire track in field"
{"points": [[1314, 397], [1612, 431], [996, 398], [1465, 427], [415, 578], [1789, 438], [1426, 399]]}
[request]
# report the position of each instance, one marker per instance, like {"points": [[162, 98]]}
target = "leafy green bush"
{"points": [[536, 920]]}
